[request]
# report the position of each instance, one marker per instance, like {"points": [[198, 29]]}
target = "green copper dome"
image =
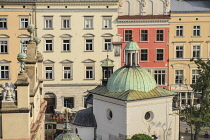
{"points": [[67, 136], [132, 46], [107, 63], [131, 78]]}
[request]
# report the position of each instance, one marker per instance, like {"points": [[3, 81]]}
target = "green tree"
{"points": [[140, 137], [199, 116]]}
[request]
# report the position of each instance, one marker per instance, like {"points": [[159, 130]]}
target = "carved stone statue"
{"points": [[8, 92], [143, 6], [166, 6]]}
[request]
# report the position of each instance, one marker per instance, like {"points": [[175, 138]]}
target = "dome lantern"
{"points": [[132, 54]]}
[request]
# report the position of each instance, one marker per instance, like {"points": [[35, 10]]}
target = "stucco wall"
{"points": [[85, 133]]}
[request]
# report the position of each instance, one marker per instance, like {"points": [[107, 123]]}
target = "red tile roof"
{"points": [[144, 17]]}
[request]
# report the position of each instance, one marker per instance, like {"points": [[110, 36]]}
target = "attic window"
{"points": [[65, 6], [196, 18], [107, 6], [88, 6], [109, 114], [180, 19], [24, 6], [48, 6], [2, 6]]}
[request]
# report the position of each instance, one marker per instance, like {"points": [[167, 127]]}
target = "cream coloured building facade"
{"points": [[76, 37], [189, 38]]}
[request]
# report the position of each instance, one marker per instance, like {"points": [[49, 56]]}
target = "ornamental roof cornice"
{"points": [[143, 20], [79, 3]]}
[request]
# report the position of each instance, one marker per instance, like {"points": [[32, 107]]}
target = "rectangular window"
{"points": [[196, 31], [49, 73], [3, 46], [107, 44], [88, 22], [144, 35], [4, 72], [3, 23], [48, 22], [179, 51], [179, 77], [89, 45], [107, 73], [144, 55], [66, 72], [23, 23], [65, 22], [24, 46], [195, 75], [160, 55], [179, 30], [128, 35], [66, 45], [89, 72], [196, 51], [69, 102], [48, 45], [159, 35], [107, 22], [160, 77]]}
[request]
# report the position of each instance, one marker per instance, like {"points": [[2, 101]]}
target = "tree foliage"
{"points": [[199, 116], [140, 137]]}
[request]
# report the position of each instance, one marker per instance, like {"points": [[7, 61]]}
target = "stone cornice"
{"points": [[121, 21], [77, 3]]}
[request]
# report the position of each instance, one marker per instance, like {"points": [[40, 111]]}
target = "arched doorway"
{"points": [[51, 102]]}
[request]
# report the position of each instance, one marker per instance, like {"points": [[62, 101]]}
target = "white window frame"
{"points": [[180, 31], [89, 44], [109, 73], [107, 45], [48, 72], [107, 22], [24, 23], [147, 55], [3, 22], [48, 22], [89, 71], [159, 34], [160, 76], [197, 30], [88, 22], [69, 71], [66, 45], [47, 45], [4, 71], [157, 54], [179, 75], [179, 50], [66, 22], [195, 51], [195, 75], [4, 46], [144, 34]]}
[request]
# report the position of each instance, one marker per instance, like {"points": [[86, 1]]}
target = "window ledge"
{"points": [[4, 53], [144, 61], [65, 51], [67, 79], [107, 28], [89, 79], [143, 41], [88, 51], [23, 29], [65, 28], [159, 41], [48, 51], [4, 79], [49, 79], [107, 51], [159, 61], [3, 28], [48, 28], [196, 36], [88, 28]]}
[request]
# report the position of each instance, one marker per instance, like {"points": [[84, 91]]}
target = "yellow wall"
{"points": [[187, 20]]}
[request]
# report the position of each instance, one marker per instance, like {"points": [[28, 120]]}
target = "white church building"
{"points": [[130, 103]]}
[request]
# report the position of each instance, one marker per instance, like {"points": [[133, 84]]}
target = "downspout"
{"points": [[0, 125]]}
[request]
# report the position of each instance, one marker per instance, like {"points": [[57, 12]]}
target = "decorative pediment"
{"points": [[107, 35], [4, 61], [66, 61], [88, 35], [192, 65], [48, 36], [4, 36], [48, 61], [88, 61], [179, 65], [24, 36], [65, 36]]}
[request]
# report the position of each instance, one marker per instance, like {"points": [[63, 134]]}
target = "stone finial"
{"points": [[31, 27], [8, 92], [22, 57]]}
